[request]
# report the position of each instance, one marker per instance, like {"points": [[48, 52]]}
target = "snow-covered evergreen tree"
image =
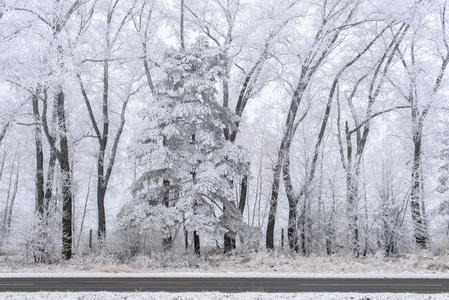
{"points": [[191, 167]]}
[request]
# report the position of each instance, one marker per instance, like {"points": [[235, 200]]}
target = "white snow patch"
{"points": [[219, 275], [214, 295]]}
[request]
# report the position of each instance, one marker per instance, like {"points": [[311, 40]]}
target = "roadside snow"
{"points": [[219, 275], [262, 264], [213, 295]]}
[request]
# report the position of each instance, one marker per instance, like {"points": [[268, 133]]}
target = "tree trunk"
{"points": [[101, 192], [84, 214], [51, 166], [50, 178], [13, 198], [181, 25], [352, 199], [168, 240], [229, 243], [419, 228], [8, 196], [39, 175], [303, 226], [243, 193], [292, 233], [66, 180], [196, 243], [283, 148], [229, 237], [269, 240]]}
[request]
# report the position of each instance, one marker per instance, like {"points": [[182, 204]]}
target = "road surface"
{"points": [[225, 285]]}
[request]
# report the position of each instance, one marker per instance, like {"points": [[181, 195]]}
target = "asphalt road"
{"points": [[225, 285]]}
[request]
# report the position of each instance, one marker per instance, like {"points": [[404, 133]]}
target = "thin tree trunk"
{"points": [[8, 196], [84, 213], [2, 166], [292, 234], [181, 25], [196, 243], [419, 228], [62, 155], [50, 178], [167, 241], [39, 173], [283, 149], [51, 166], [101, 192], [13, 198], [66, 180], [243, 194]]}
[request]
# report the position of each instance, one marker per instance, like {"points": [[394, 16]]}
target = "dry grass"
{"points": [[240, 262]]}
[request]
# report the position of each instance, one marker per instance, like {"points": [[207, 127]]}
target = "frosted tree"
{"points": [[184, 141], [332, 19], [116, 20], [422, 93], [51, 19], [246, 61]]}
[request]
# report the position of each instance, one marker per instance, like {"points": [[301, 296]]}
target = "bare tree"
{"points": [[59, 21], [104, 170], [351, 156], [334, 19], [418, 118], [305, 189]]}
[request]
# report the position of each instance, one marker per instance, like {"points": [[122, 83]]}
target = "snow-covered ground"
{"points": [[244, 265], [212, 295], [230, 274]]}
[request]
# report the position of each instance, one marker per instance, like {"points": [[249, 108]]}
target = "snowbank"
{"points": [[213, 295]]}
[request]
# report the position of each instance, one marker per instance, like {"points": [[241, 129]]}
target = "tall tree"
{"points": [[420, 107], [249, 79], [335, 17], [104, 168]]}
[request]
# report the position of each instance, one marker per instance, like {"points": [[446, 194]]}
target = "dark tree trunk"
{"points": [[330, 237], [39, 175], [302, 235], [101, 185], [51, 164], [181, 25], [166, 192], [41, 199], [103, 141], [50, 178], [167, 241], [229, 243], [269, 240], [419, 227], [66, 180], [292, 233], [243, 193], [229, 237], [101, 192], [283, 149], [292, 228], [196, 243]]}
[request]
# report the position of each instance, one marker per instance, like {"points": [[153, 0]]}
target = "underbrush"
{"points": [[243, 261]]}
